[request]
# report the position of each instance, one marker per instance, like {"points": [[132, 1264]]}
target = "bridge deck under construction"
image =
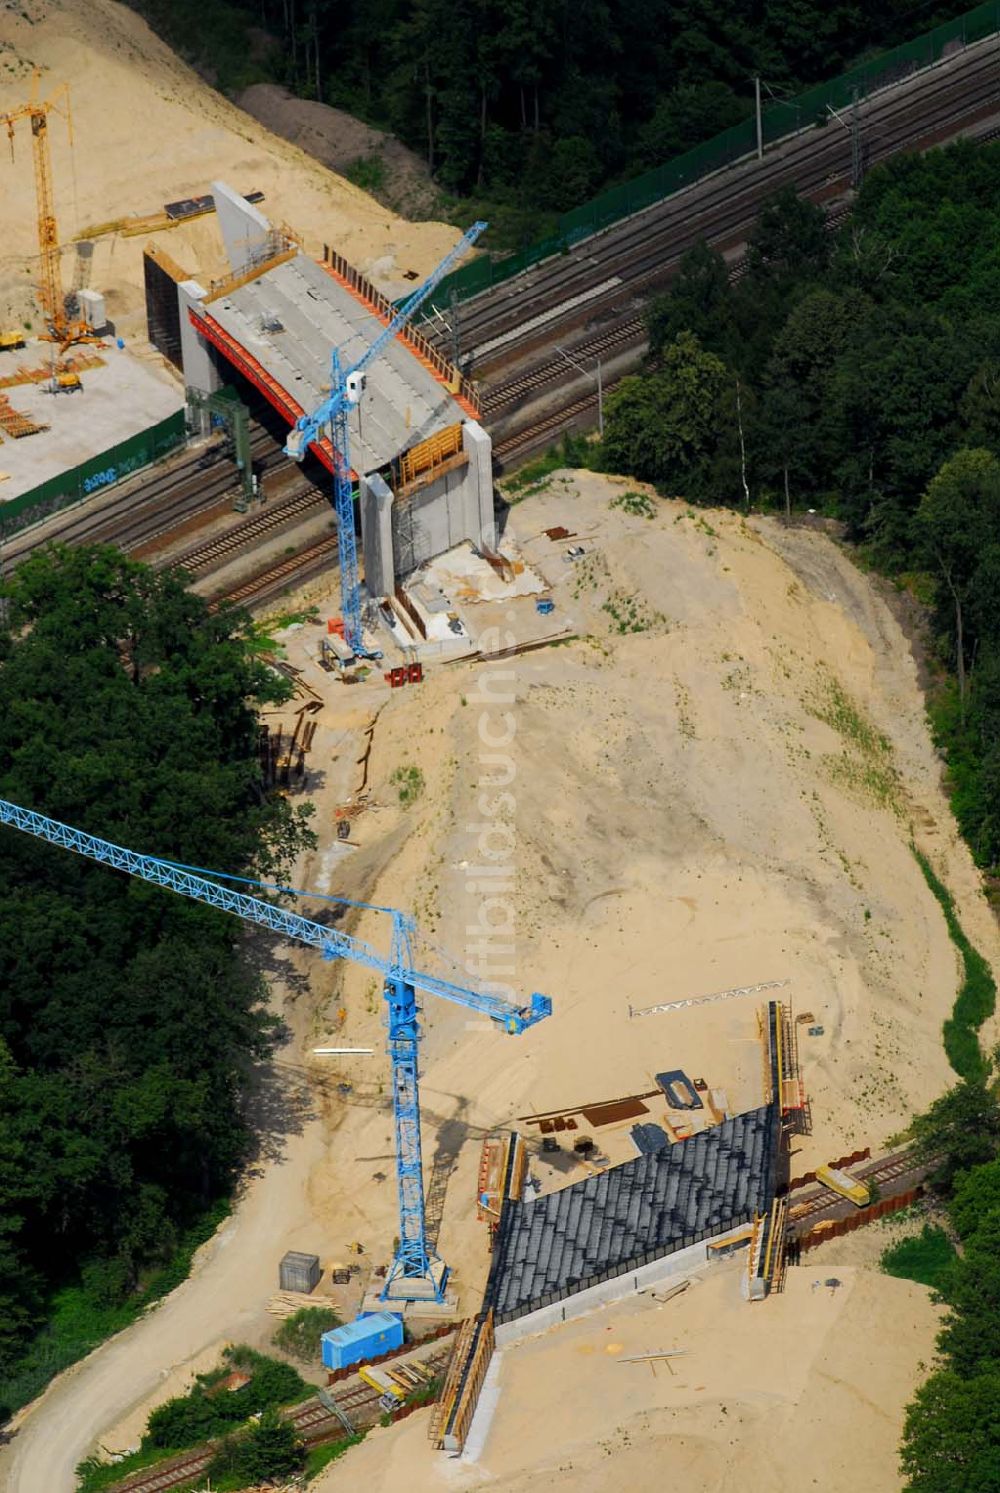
{"points": [[287, 318]]}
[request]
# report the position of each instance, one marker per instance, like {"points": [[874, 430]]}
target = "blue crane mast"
{"points": [[346, 389], [416, 1272]]}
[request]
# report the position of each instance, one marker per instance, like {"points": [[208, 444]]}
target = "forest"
{"points": [[131, 1020], [951, 1437], [537, 106]]}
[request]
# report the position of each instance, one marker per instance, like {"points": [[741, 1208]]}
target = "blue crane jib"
{"points": [[416, 1271], [331, 417]]}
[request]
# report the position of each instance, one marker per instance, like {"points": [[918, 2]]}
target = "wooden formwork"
{"points": [[449, 1390], [780, 1056], [502, 1166], [464, 1381], [765, 1265], [429, 458], [14, 424], [492, 1169]]}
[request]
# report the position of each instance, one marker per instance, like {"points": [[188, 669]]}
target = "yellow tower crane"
{"points": [[50, 292]]}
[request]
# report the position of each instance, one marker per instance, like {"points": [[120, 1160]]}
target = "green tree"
{"points": [[662, 426], [699, 301], [962, 1127], [693, 112], [951, 1439], [958, 518], [970, 1335], [131, 1019], [789, 240], [802, 439], [272, 1450]]}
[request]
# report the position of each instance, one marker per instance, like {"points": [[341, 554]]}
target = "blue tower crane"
{"points": [[416, 1272], [346, 389]]}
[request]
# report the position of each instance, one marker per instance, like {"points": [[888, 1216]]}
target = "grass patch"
{"points": [[639, 504], [80, 1320], [319, 1457], [533, 477], [977, 997], [869, 780], [368, 173], [865, 768], [299, 1335], [839, 711], [409, 784], [629, 613], [925, 1258]]}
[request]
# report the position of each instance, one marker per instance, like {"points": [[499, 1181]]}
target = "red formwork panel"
{"points": [[244, 362]]}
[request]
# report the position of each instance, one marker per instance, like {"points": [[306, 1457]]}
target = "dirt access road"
{"points": [[234, 1272]]}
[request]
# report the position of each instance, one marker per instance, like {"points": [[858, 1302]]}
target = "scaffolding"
{"points": [[780, 1054]]}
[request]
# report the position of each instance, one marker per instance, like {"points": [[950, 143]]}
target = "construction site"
{"points": [[635, 973]]}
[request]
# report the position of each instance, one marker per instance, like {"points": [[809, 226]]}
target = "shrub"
{"points": [[189, 1420], [976, 1000], [299, 1335], [927, 1258], [409, 783]]}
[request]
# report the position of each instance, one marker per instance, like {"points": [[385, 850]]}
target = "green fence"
{"points": [[92, 476], [778, 120]]}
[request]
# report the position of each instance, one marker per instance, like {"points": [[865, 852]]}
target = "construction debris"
{"points": [[14, 424], [287, 1303], [42, 372]]}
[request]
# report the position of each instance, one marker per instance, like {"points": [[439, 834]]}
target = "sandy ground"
{"points": [[146, 131], [727, 796], [806, 1391], [723, 797]]}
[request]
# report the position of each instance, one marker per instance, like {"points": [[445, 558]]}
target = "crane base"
{"points": [[429, 1287]]}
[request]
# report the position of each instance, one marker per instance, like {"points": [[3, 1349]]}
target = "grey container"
{"points": [[299, 1272]]}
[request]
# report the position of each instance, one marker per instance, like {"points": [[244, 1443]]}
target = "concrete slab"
{"points": [[290, 318], [120, 399], [494, 615]]}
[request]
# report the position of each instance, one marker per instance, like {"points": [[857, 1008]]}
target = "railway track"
{"points": [[144, 517], [884, 1172], [287, 572], [313, 1422], [526, 334], [579, 414], [600, 270], [150, 507], [212, 553], [588, 303]]}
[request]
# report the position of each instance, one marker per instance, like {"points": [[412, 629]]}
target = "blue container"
{"points": [[369, 1336]]}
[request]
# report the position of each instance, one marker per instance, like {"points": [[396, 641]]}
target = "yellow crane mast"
{"points": [[50, 291]]}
